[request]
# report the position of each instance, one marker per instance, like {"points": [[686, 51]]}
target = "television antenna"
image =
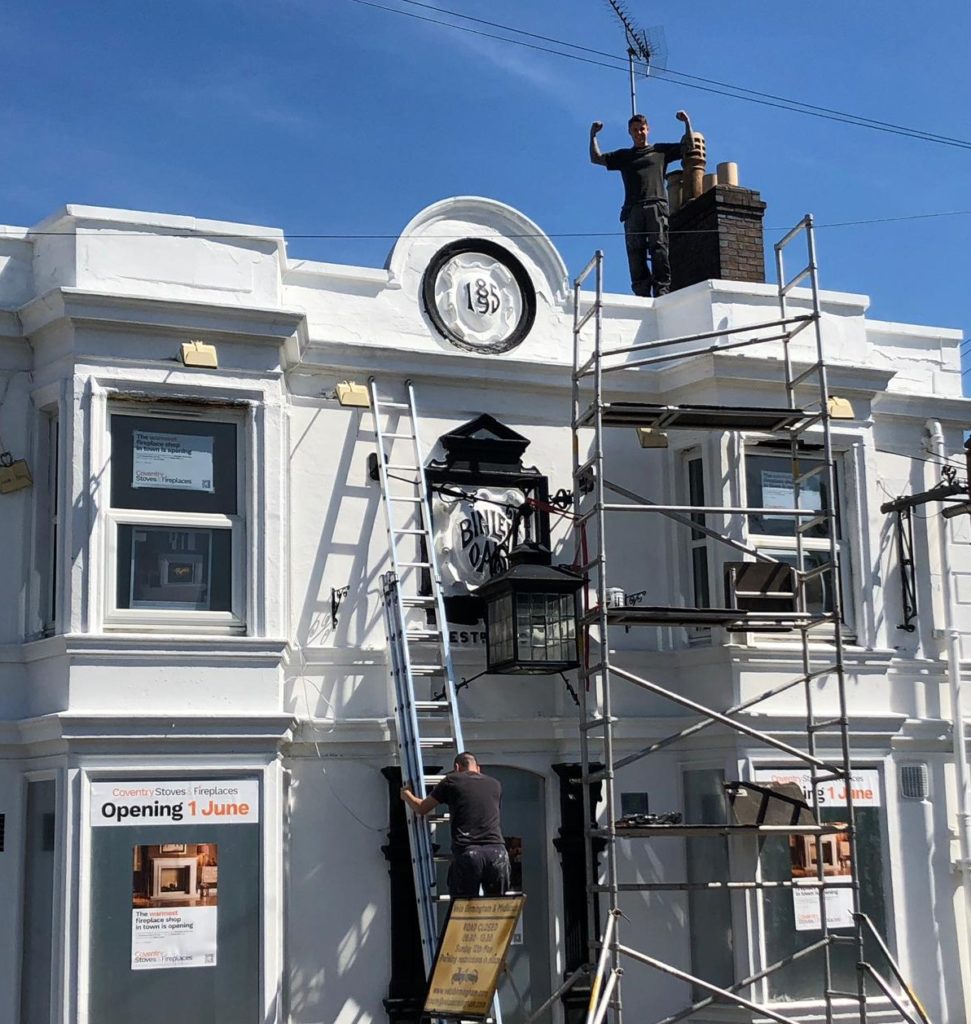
{"points": [[645, 48]]}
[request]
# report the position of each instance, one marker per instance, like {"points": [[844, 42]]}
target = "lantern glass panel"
{"points": [[545, 627], [501, 633]]}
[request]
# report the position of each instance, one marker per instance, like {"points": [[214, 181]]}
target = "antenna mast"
{"points": [[639, 47]]}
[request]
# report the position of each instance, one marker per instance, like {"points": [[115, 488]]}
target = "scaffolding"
{"points": [[799, 596]]}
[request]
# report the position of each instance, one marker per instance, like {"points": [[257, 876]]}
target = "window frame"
{"points": [[774, 544], [231, 622], [878, 831]]}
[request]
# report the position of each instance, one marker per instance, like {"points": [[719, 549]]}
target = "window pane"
{"points": [[804, 979], [173, 567], [696, 492], [769, 484], [710, 912], [699, 576], [171, 465]]}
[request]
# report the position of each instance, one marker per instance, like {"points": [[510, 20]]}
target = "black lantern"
{"points": [[531, 618]]}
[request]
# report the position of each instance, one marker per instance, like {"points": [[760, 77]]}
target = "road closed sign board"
{"points": [[470, 956]]}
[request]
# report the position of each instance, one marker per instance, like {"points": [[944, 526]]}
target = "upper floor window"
{"points": [[770, 483], [698, 541], [176, 520]]}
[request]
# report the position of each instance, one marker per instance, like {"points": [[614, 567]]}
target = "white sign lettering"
{"points": [[213, 802], [864, 787], [178, 462], [778, 491], [839, 908], [473, 534], [167, 937]]}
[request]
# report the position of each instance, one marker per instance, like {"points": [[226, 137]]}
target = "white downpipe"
{"points": [[936, 443]]}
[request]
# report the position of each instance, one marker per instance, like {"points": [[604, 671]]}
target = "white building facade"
{"points": [[190, 616]]}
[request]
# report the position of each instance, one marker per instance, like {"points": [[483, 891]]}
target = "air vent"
{"points": [[914, 781]]}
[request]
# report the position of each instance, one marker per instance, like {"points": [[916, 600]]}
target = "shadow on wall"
{"points": [[352, 510], [338, 944]]}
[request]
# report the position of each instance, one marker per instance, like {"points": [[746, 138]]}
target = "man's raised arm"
{"points": [[596, 157]]}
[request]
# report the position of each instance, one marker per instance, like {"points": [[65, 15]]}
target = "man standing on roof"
{"points": [[645, 209], [479, 854]]}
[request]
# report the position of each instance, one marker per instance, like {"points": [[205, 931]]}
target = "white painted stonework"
{"points": [[94, 306]]}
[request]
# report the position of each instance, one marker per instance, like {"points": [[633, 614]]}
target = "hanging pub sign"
{"points": [[474, 530]]}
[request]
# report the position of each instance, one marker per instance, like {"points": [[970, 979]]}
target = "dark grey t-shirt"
{"points": [[643, 170], [473, 801]]}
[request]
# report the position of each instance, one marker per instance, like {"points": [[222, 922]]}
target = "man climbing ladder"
{"points": [[474, 800]]}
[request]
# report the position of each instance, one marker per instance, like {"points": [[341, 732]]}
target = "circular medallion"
{"points": [[479, 296]]}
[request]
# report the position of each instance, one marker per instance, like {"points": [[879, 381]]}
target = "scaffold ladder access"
{"points": [[799, 595]]}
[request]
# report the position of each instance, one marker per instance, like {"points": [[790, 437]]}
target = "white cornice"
{"points": [[203, 319], [923, 407], [154, 649], [74, 732]]}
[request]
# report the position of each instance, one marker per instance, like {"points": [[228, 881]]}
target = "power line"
{"points": [[384, 236], [677, 77]]}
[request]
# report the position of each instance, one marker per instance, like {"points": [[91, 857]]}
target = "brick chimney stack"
{"points": [[718, 235]]}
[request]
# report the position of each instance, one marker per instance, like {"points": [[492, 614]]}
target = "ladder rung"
{"points": [[422, 635], [826, 723], [816, 570], [820, 467], [808, 372], [413, 601], [416, 499], [809, 421], [789, 285], [810, 523], [430, 705], [409, 532], [583, 320], [398, 437], [432, 780], [436, 743], [425, 670], [596, 723], [379, 406], [415, 565]]}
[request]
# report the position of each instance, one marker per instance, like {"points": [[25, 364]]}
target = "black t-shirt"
{"points": [[473, 801], [643, 170]]}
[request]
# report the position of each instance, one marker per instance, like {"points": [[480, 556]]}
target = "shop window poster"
{"points": [[175, 894], [181, 462]]}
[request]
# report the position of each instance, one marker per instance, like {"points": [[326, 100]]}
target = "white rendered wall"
{"points": [[104, 303]]}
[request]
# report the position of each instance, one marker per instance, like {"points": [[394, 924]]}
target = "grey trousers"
{"points": [[646, 235]]}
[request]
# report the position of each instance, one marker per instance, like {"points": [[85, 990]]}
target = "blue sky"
{"points": [[329, 117]]}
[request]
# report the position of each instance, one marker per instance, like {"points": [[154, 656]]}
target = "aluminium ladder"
{"points": [[418, 641], [418, 645]]}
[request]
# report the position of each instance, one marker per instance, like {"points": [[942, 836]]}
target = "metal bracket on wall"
{"points": [[908, 572], [337, 595]]}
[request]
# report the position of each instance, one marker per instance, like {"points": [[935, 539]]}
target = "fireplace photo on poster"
{"points": [[175, 875]]}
